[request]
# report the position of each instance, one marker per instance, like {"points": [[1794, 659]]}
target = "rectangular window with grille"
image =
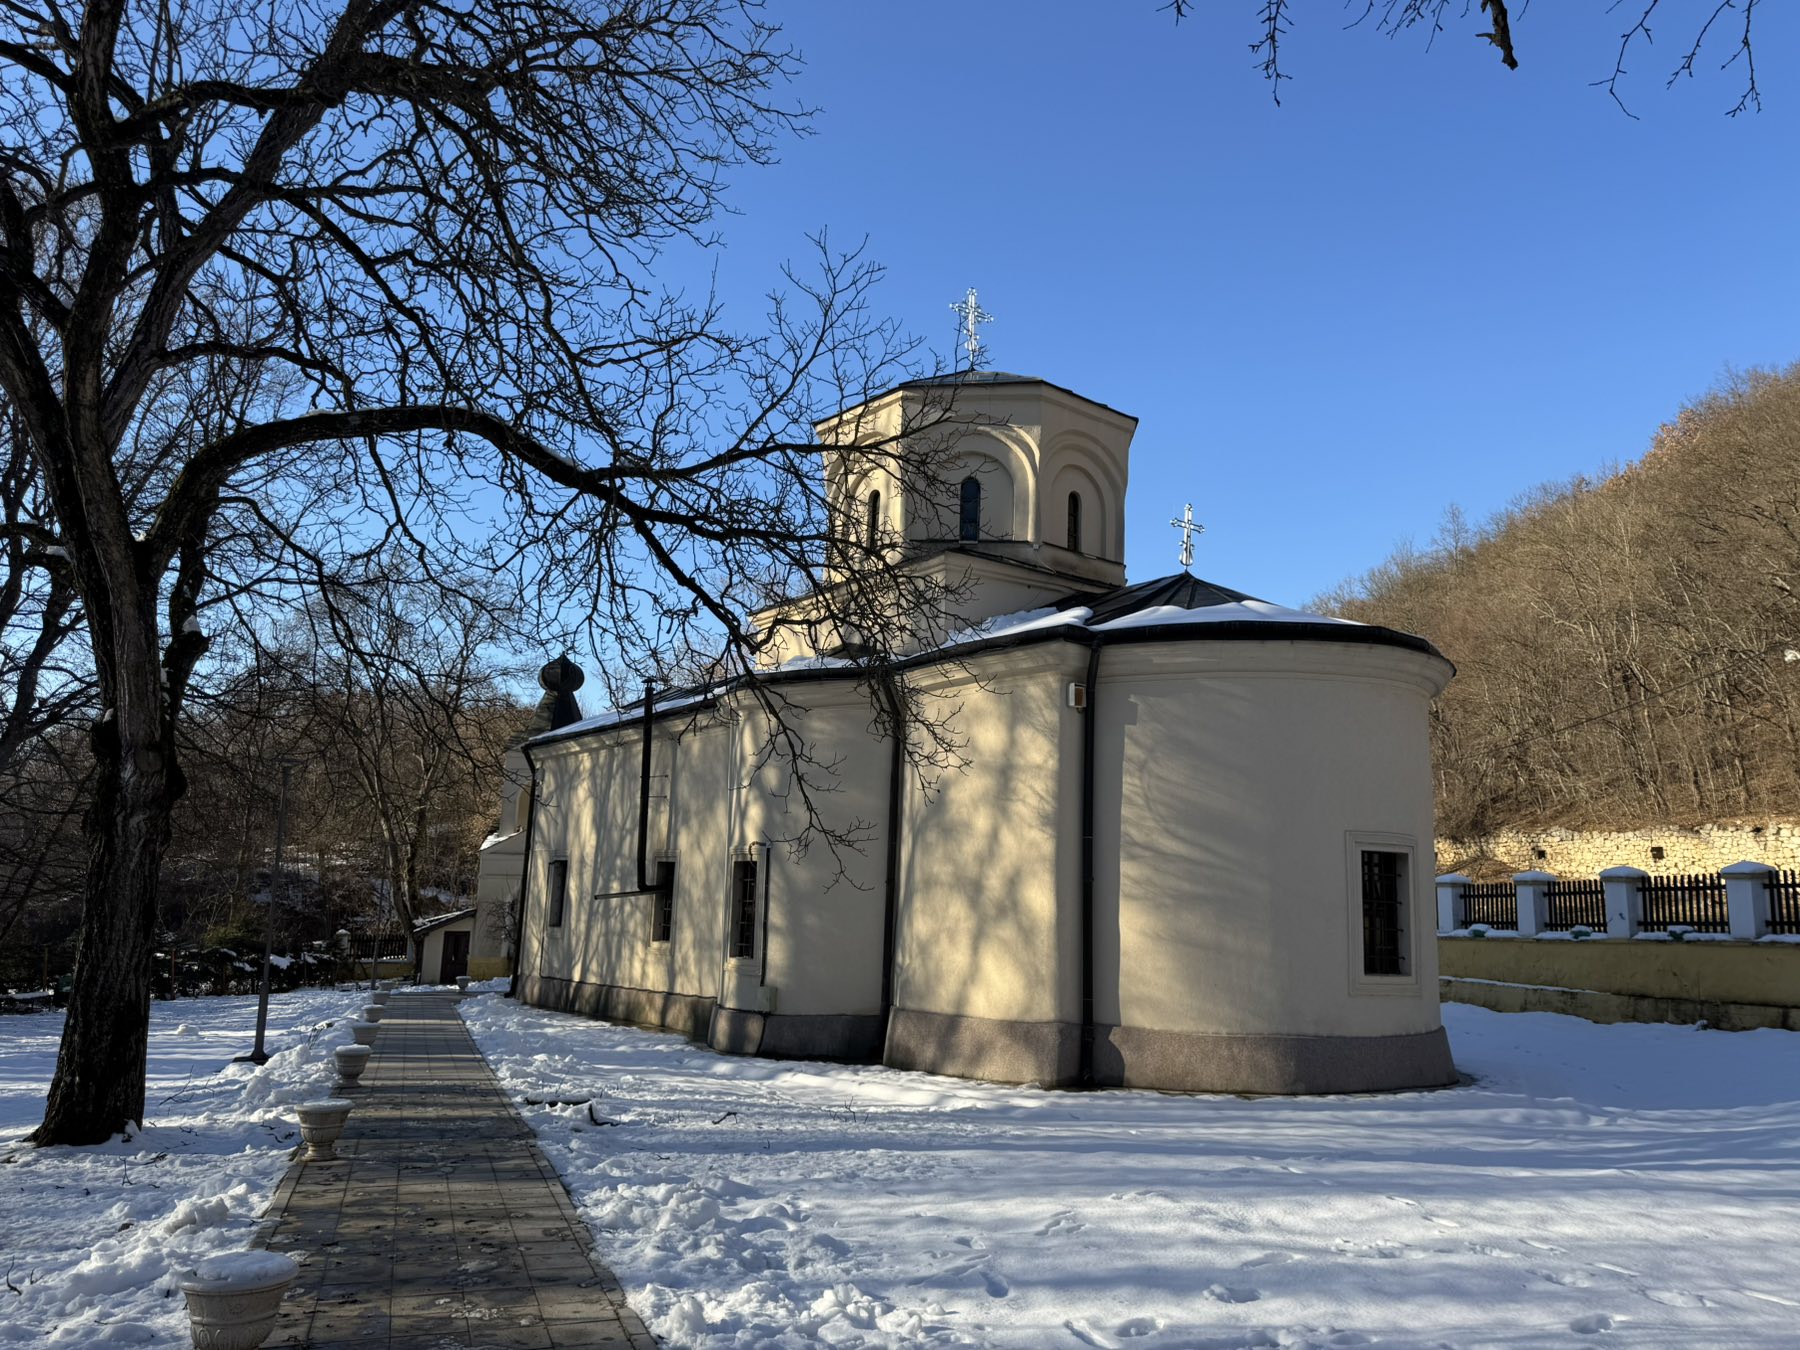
{"points": [[662, 903], [559, 890], [743, 910], [1383, 912]]}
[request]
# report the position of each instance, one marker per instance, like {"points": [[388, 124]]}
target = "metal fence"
{"points": [[1784, 901], [1687, 901], [1575, 904], [1494, 903]]}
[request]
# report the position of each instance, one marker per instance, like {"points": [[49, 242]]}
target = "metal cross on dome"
{"points": [[1189, 527], [972, 314]]}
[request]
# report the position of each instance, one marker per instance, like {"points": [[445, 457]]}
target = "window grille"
{"points": [[1075, 522], [1383, 906], [874, 523], [743, 910], [662, 910], [559, 890], [970, 527]]}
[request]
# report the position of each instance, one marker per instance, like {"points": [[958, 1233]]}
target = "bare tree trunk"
{"points": [[98, 1090]]}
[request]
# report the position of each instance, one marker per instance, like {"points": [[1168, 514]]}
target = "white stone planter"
{"points": [[364, 1032], [351, 1061], [321, 1123], [380, 996], [462, 984], [372, 1012], [232, 1300]]}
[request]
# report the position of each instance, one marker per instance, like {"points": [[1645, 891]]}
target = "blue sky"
{"points": [[1422, 279]]}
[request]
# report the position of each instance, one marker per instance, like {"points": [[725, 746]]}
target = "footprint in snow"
{"points": [[1677, 1298], [1591, 1325], [1139, 1326], [1268, 1259], [1568, 1279], [1064, 1223], [1084, 1332], [1226, 1293], [996, 1285]]}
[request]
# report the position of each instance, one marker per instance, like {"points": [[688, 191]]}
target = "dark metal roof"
{"points": [[981, 377], [1183, 590]]}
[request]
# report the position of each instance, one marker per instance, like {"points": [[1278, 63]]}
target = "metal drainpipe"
{"points": [[1089, 741], [518, 942], [891, 915], [644, 793]]}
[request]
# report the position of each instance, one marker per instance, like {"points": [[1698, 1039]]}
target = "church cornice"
{"points": [[686, 703]]}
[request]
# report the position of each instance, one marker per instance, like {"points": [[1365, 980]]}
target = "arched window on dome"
{"points": [[1074, 522], [874, 522], [970, 526]]}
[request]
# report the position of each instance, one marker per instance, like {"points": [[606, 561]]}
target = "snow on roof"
{"points": [[1178, 600], [424, 926]]}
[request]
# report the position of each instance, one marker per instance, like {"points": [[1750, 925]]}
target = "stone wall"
{"points": [[1586, 853]]}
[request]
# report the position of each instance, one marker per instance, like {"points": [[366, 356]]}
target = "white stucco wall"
{"points": [[1231, 778], [992, 852]]}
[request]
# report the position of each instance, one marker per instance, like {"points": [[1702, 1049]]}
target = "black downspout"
{"points": [[1089, 740], [644, 795], [895, 820], [518, 934]]}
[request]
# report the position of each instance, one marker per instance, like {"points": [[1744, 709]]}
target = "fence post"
{"points": [[1747, 898], [1624, 900], [1533, 891], [1450, 890]]}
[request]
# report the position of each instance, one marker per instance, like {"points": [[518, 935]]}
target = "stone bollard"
{"points": [[351, 1061], [232, 1300], [364, 1032], [372, 1012], [321, 1123]]}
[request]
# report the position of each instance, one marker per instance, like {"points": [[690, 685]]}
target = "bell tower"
{"points": [[1007, 488]]}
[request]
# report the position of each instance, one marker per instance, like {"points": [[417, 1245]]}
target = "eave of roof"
{"points": [[1091, 616], [975, 377]]}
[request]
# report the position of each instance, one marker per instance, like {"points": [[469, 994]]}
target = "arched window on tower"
{"points": [[970, 526], [1074, 522], [874, 528]]}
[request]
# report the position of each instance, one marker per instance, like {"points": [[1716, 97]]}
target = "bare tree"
{"points": [[411, 710], [1703, 26], [393, 261]]}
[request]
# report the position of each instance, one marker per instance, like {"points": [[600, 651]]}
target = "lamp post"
{"points": [[259, 1055]]}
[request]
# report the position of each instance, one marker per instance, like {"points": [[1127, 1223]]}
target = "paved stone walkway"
{"points": [[439, 1224]]}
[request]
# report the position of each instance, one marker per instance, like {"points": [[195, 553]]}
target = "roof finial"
{"points": [[969, 308], [1189, 527]]}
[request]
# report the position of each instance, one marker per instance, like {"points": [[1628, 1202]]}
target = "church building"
{"points": [[1188, 845]]}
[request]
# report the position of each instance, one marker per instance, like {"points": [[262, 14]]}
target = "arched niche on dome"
{"points": [[1075, 464], [938, 505]]}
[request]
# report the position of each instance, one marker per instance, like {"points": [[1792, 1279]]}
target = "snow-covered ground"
{"points": [[1630, 1185], [91, 1238]]}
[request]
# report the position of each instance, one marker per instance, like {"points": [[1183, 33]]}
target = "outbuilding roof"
{"points": [[424, 926]]}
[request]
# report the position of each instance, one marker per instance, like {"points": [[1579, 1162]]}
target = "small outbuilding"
{"points": [[443, 945]]}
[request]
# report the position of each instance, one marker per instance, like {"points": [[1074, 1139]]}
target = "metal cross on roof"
{"points": [[1189, 527], [972, 314]]}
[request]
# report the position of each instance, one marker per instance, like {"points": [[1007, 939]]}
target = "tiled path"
{"points": [[439, 1224]]}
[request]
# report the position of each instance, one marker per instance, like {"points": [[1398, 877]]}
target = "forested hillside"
{"points": [[1628, 648]]}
